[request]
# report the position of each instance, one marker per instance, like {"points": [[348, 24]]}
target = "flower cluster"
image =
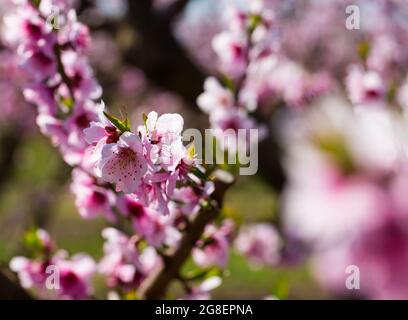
{"points": [[61, 82], [254, 74], [146, 178], [148, 163], [261, 243], [124, 264], [213, 248], [54, 274], [246, 47]]}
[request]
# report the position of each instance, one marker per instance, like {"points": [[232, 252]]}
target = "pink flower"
{"points": [[381, 256], [68, 135], [202, 292], [30, 273], [75, 33], [232, 50], [385, 54], [46, 6], [23, 25], [102, 129], [98, 134], [41, 96], [156, 228], [34, 40], [213, 248], [165, 149], [232, 129], [349, 170], [83, 114], [189, 200], [71, 276], [75, 274], [38, 62], [131, 208], [215, 97], [91, 200], [52, 127], [37, 46], [81, 77], [167, 160], [378, 250], [122, 261], [364, 86], [122, 163], [260, 243]]}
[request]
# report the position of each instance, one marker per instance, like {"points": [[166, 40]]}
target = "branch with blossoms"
{"points": [[144, 176]]}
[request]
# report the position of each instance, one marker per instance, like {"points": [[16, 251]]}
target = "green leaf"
{"points": [[228, 82], [392, 91], [199, 174], [191, 152], [254, 21], [131, 295], [122, 125], [33, 241], [144, 116], [67, 102], [199, 274], [335, 147], [126, 123], [281, 288], [364, 49], [36, 3]]}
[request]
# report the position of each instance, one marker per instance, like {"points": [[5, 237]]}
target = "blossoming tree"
{"points": [[341, 184]]}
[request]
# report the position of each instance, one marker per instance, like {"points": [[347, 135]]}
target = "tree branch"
{"points": [[156, 284], [10, 142], [10, 290]]}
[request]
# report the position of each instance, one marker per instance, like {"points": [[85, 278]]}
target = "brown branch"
{"points": [[156, 284], [10, 290]]}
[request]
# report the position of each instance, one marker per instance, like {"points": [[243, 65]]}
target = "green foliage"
{"points": [[36, 3], [228, 82], [364, 49], [122, 125], [334, 146], [68, 102], [144, 116], [254, 21], [281, 288], [201, 274], [33, 242]]}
